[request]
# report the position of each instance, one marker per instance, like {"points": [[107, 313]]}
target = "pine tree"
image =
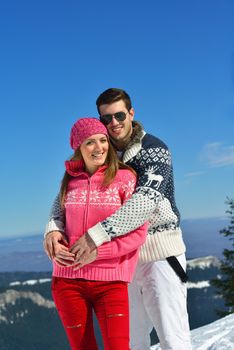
{"points": [[225, 284]]}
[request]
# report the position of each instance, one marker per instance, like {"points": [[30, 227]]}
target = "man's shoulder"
{"points": [[151, 141]]}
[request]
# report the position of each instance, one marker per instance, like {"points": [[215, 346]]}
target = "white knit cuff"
{"points": [[98, 235], [54, 225]]}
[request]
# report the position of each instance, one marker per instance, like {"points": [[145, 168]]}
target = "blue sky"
{"points": [[174, 58]]}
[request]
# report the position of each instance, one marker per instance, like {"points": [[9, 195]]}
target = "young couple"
{"points": [[98, 225]]}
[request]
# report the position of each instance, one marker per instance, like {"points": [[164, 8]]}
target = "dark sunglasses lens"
{"points": [[106, 119], [120, 116]]}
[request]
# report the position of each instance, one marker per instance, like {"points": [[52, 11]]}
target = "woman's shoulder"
{"points": [[125, 175]]}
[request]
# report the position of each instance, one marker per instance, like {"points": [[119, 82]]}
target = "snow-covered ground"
{"points": [[203, 263], [218, 335]]}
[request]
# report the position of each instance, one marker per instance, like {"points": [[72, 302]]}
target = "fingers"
{"points": [[84, 245], [78, 264], [66, 256], [79, 250], [82, 252], [52, 241], [62, 262], [63, 256], [51, 246], [81, 260], [77, 259], [77, 267], [55, 242], [66, 260], [85, 259], [75, 249], [58, 247]]}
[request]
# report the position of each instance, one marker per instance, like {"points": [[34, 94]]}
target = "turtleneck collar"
{"points": [[77, 167]]}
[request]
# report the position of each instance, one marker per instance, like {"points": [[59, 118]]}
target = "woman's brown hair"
{"points": [[112, 162]]}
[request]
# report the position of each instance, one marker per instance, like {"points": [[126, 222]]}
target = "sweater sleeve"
{"points": [[56, 218], [130, 242], [123, 245], [155, 180]]}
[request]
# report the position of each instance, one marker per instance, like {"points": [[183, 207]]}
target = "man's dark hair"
{"points": [[113, 95]]}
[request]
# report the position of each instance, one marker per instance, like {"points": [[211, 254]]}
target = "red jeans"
{"points": [[76, 298]]}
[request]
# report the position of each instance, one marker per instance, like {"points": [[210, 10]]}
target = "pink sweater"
{"points": [[87, 203]]}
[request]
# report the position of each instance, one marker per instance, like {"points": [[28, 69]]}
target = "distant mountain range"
{"points": [[202, 237], [25, 253]]}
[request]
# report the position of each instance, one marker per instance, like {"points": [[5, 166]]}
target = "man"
{"points": [[158, 292]]}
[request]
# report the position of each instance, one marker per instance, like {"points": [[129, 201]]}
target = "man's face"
{"points": [[118, 130]]}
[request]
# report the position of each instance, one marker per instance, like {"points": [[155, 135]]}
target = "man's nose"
{"points": [[114, 121]]}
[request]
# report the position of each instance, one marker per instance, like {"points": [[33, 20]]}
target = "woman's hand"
{"points": [[63, 257], [56, 247], [85, 259]]}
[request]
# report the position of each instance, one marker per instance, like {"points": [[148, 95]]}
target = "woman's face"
{"points": [[94, 151]]}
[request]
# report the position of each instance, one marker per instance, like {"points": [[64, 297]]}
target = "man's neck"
{"points": [[124, 144], [121, 145]]}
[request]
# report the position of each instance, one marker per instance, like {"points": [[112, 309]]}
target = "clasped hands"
{"points": [[81, 253]]}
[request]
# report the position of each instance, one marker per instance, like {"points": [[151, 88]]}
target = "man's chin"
{"points": [[116, 137]]}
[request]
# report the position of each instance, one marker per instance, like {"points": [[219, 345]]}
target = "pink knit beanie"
{"points": [[84, 128]]}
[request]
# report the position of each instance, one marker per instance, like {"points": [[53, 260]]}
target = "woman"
{"points": [[94, 186]]}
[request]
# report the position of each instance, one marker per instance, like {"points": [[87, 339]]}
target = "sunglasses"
{"points": [[107, 118]]}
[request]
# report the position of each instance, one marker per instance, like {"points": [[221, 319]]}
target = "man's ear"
{"points": [[131, 113]]}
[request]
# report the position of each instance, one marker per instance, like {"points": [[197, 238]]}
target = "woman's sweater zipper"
{"points": [[87, 204]]}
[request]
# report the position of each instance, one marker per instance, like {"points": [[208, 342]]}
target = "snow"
{"points": [[218, 335], [198, 285], [203, 262], [30, 282]]}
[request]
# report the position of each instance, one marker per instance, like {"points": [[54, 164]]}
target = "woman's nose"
{"points": [[98, 146]]}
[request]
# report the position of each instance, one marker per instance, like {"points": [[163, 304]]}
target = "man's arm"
{"points": [[84, 247], [56, 218], [133, 214], [116, 248], [55, 243], [155, 176]]}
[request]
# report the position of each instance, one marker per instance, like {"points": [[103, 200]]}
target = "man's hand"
{"points": [[56, 246], [85, 259], [83, 248]]}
